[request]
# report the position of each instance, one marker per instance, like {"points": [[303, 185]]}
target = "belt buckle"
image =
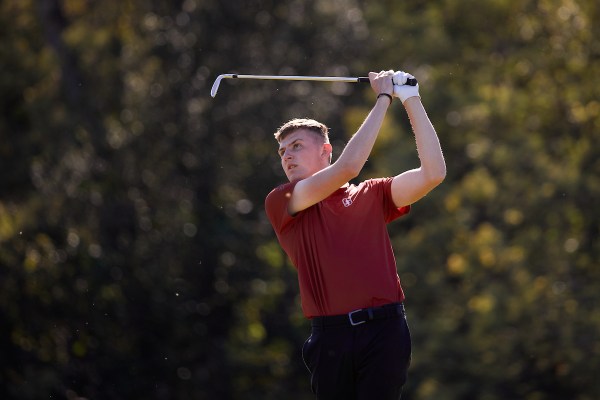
{"points": [[352, 321]]}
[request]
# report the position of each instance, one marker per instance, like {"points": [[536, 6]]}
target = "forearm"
{"points": [[357, 151], [428, 144]]}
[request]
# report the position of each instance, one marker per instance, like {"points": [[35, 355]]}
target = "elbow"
{"points": [[436, 180], [351, 174], [441, 175], [349, 171], [436, 177]]}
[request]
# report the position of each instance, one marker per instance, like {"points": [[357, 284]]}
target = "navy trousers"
{"points": [[362, 356]]}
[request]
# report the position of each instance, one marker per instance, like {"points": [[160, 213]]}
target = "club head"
{"points": [[215, 86]]}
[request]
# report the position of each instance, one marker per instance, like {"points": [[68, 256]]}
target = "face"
{"points": [[302, 154]]}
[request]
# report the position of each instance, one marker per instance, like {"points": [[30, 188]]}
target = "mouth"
{"points": [[291, 167]]}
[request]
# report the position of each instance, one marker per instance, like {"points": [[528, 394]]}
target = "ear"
{"points": [[327, 151]]}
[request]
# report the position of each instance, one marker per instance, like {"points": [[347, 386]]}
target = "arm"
{"points": [[412, 185], [317, 187]]}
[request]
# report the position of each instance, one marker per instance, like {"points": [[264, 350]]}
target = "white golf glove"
{"points": [[401, 90]]}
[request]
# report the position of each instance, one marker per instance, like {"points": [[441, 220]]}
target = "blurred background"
{"points": [[136, 260]]}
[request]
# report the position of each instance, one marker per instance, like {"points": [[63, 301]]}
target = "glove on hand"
{"points": [[401, 90]]}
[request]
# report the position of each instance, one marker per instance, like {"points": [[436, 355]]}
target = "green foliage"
{"points": [[136, 260]]}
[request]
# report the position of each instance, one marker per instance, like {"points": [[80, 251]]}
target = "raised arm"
{"points": [[410, 186], [321, 184]]}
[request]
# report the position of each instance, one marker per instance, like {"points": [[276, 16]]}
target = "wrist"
{"points": [[389, 96], [414, 97]]}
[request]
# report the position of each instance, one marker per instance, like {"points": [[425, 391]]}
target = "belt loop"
{"points": [[400, 309], [370, 312]]}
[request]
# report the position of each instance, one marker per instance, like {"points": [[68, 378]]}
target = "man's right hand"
{"points": [[382, 82]]}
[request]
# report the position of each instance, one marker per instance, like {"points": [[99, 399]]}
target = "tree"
{"points": [[135, 256]]}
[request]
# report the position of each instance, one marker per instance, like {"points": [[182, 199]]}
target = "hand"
{"points": [[401, 90], [382, 82]]}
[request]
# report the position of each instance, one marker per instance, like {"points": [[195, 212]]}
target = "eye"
{"points": [[296, 146]]}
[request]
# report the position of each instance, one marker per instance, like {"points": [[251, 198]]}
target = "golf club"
{"points": [[215, 86]]}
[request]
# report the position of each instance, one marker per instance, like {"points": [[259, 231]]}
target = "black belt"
{"points": [[360, 316]]}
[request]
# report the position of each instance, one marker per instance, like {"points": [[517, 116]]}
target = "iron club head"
{"points": [[215, 86]]}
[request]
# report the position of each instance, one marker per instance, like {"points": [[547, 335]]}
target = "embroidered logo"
{"points": [[347, 202]]}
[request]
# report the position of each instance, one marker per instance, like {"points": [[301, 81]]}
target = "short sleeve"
{"points": [[276, 206], [391, 212]]}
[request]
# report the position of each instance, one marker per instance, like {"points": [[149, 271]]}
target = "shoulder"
{"points": [[378, 184], [276, 206], [279, 197], [283, 190], [382, 189], [378, 181]]}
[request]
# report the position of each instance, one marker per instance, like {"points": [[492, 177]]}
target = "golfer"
{"points": [[335, 234]]}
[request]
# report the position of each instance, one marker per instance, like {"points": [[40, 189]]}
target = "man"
{"points": [[335, 234]]}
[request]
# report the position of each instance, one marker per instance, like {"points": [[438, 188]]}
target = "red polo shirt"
{"points": [[341, 247]]}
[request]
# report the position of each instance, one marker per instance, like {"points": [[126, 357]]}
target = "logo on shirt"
{"points": [[347, 202]]}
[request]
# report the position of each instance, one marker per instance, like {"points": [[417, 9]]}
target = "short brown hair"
{"points": [[302, 123]]}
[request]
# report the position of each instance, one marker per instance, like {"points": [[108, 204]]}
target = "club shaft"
{"points": [[353, 79], [301, 78]]}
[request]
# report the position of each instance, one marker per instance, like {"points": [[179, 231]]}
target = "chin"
{"points": [[296, 175], [294, 178], [291, 175]]}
